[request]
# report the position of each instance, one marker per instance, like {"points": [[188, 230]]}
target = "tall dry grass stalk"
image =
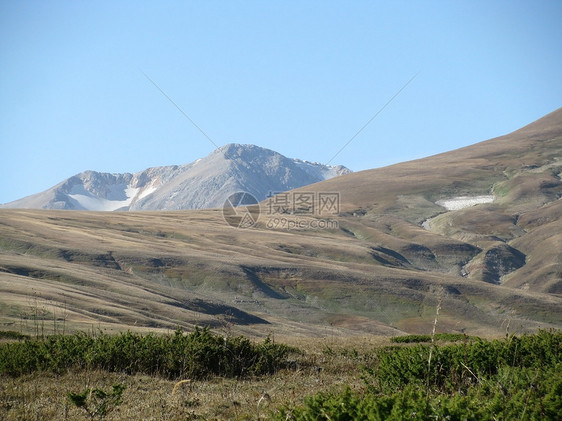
{"points": [[178, 384], [437, 309], [264, 400]]}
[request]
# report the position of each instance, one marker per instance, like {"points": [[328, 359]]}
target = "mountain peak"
{"points": [[204, 183]]}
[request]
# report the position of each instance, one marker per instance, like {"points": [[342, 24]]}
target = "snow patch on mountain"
{"points": [[118, 197], [461, 202], [457, 203], [147, 191]]}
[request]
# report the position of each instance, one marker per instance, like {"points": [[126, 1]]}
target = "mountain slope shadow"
{"points": [[234, 314], [259, 285]]}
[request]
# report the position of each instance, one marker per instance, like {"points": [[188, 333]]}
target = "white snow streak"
{"points": [[91, 202], [149, 190], [462, 202]]}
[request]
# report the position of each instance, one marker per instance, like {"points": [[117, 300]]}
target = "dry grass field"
{"points": [[81, 271]]}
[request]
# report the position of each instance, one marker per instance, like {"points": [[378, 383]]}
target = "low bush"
{"points": [[457, 366], [196, 355], [10, 334], [517, 378], [98, 402], [445, 337]]}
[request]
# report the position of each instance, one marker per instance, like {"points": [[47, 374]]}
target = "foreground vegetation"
{"points": [[206, 376], [517, 378], [197, 355]]}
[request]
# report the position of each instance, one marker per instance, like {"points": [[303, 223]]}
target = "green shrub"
{"points": [[196, 355], [445, 337], [10, 334], [517, 378], [98, 402], [457, 366]]}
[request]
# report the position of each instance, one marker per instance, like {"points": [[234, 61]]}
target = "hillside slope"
{"points": [[369, 267], [518, 232]]}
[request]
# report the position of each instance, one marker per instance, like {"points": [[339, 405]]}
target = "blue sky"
{"points": [[298, 77]]}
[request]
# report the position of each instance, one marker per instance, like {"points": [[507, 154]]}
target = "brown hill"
{"points": [[522, 170], [533, 152], [370, 268]]}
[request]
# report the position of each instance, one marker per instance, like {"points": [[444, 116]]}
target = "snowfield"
{"points": [[459, 202], [88, 201], [462, 202]]}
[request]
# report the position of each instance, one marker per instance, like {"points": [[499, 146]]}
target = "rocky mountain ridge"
{"points": [[204, 183]]}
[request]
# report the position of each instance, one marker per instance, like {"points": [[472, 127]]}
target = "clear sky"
{"points": [[298, 77]]}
